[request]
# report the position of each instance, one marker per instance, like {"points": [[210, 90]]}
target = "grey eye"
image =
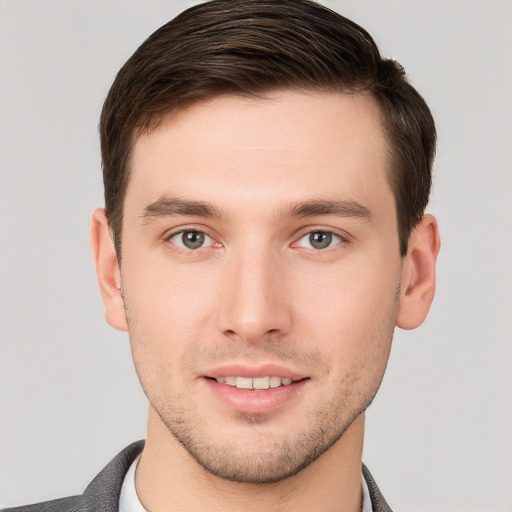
{"points": [[190, 239], [319, 240]]}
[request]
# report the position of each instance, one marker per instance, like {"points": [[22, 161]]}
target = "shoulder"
{"points": [[101, 495], [68, 504]]}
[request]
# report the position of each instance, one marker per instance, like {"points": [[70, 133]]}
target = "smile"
{"points": [[254, 383], [256, 390]]}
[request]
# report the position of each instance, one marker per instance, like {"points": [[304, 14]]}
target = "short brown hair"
{"points": [[251, 47]]}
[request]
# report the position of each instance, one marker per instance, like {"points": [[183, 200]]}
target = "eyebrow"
{"points": [[172, 206], [167, 206], [339, 208]]}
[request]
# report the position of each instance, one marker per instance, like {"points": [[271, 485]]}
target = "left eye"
{"points": [[319, 240], [191, 239]]}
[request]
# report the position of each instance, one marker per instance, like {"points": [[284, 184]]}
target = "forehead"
{"points": [[285, 146]]}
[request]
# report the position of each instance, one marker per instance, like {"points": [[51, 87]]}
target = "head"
{"points": [[249, 48], [266, 173]]}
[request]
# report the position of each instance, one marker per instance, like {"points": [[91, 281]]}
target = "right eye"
{"points": [[191, 239]]}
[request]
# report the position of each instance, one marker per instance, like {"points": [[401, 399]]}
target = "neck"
{"points": [[168, 478]]}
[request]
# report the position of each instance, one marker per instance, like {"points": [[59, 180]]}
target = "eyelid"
{"points": [[195, 228], [343, 236]]}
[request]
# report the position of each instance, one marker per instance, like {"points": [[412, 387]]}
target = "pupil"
{"points": [[320, 239], [193, 239]]}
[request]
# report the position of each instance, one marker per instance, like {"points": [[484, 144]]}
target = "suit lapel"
{"points": [[379, 504], [104, 491]]}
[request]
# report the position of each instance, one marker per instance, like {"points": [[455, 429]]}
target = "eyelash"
{"points": [[335, 237], [191, 230], [331, 236]]}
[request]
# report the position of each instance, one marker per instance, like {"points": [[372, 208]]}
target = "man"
{"points": [[266, 174]]}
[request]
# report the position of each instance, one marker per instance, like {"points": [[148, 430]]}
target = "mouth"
{"points": [[256, 390], [255, 383]]}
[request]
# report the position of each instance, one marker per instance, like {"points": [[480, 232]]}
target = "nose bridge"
{"points": [[252, 301]]}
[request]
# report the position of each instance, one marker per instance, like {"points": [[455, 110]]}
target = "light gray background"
{"points": [[439, 435]]}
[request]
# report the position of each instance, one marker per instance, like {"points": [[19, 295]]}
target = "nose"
{"points": [[254, 303]]}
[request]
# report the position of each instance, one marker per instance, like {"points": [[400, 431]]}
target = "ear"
{"points": [[419, 274], [107, 270]]}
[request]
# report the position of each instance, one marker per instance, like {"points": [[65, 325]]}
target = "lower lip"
{"points": [[255, 401]]}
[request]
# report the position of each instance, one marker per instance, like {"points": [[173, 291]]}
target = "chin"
{"points": [[259, 457]]}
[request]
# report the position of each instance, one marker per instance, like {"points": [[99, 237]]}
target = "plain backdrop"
{"points": [[439, 434]]}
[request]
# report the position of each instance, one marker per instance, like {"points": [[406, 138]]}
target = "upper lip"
{"points": [[254, 371]]}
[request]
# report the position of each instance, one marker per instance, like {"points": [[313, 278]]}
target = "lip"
{"points": [[250, 401], [264, 370]]}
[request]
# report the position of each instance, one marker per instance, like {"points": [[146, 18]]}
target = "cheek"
{"points": [[349, 312], [165, 299], [169, 313]]}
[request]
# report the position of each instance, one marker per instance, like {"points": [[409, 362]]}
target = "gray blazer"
{"points": [[102, 494]]}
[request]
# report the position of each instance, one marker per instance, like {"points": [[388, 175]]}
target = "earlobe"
{"points": [[419, 274], [107, 270]]}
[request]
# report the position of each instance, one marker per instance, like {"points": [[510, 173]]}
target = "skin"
{"points": [[258, 292]]}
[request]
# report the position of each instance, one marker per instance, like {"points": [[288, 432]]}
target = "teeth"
{"points": [[255, 383], [243, 383], [275, 382], [261, 382]]}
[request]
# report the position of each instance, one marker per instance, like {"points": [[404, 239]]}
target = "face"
{"points": [[260, 276]]}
